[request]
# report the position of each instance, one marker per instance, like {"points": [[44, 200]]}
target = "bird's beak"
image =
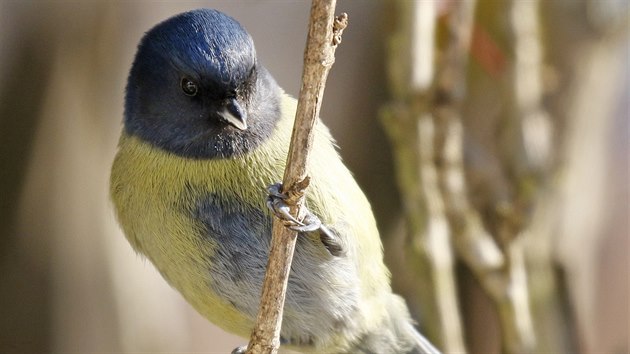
{"points": [[232, 112]]}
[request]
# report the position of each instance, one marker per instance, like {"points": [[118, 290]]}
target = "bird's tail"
{"points": [[396, 334], [411, 340], [421, 345]]}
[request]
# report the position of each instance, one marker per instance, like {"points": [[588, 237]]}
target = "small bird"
{"points": [[206, 130]]}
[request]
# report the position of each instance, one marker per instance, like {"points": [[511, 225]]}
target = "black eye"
{"points": [[189, 87]]}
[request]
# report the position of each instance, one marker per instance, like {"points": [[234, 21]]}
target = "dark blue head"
{"points": [[196, 89]]}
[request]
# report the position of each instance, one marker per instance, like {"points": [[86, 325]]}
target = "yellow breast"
{"points": [[151, 187]]}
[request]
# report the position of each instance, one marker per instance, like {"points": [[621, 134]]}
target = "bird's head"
{"points": [[197, 90]]}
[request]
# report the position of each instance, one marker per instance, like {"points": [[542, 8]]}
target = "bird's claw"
{"points": [[309, 223], [276, 203]]}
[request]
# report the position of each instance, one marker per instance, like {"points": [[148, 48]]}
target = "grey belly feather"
{"points": [[321, 298]]}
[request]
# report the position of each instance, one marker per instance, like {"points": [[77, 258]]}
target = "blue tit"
{"points": [[206, 129]]}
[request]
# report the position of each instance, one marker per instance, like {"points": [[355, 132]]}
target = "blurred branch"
{"points": [[504, 282], [496, 257], [523, 151], [473, 244], [411, 131], [324, 35], [425, 127]]}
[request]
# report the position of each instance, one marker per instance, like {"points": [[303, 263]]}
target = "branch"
{"points": [[500, 267], [411, 130], [497, 262], [324, 35]]}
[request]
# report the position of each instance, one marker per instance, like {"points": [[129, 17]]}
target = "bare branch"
{"points": [[323, 37]]}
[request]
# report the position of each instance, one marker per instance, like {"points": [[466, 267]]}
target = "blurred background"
{"points": [[542, 100]]}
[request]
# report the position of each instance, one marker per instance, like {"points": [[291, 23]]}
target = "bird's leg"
{"points": [[276, 202]]}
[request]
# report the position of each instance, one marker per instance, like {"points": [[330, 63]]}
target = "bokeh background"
{"points": [[69, 282]]}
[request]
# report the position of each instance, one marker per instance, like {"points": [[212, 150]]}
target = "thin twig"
{"points": [[323, 37]]}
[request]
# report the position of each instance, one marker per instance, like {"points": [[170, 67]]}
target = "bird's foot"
{"points": [[276, 202]]}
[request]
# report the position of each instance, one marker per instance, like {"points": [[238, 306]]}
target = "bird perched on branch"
{"points": [[206, 129]]}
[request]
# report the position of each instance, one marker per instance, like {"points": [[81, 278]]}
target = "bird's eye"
{"points": [[189, 87]]}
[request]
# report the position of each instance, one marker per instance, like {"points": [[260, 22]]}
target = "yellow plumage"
{"points": [[150, 187]]}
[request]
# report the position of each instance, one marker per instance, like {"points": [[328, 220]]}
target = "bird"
{"points": [[204, 141]]}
